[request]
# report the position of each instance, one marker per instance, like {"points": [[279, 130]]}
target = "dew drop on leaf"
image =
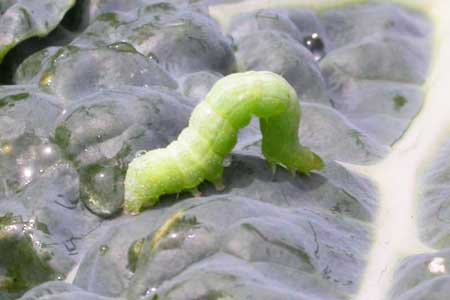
{"points": [[47, 150], [150, 291], [122, 47], [60, 277], [6, 149], [46, 80], [153, 57], [315, 44], [191, 235], [27, 175], [437, 266], [103, 249]]}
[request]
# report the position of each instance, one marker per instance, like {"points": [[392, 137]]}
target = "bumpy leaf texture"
{"points": [[115, 78], [23, 19]]}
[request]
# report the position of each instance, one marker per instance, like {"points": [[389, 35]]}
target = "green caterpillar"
{"points": [[200, 149]]}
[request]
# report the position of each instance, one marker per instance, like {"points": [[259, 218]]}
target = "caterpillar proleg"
{"points": [[200, 149]]}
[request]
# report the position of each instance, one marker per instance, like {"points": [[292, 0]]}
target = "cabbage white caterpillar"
{"points": [[200, 149]]}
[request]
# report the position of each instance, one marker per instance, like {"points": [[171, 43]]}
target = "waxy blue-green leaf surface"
{"points": [[73, 73], [183, 40], [22, 19], [434, 202], [126, 78]]}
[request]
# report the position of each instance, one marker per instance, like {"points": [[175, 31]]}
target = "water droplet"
{"points": [[315, 44], [10, 228], [122, 47], [47, 150], [41, 171], [60, 277], [6, 149], [46, 80], [175, 24], [150, 291], [27, 173], [140, 153], [174, 235], [61, 54], [152, 56], [29, 227], [437, 266], [103, 249], [99, 137]]}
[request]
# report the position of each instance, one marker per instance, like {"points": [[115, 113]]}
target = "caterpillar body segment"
{"points": [[200, 149]]}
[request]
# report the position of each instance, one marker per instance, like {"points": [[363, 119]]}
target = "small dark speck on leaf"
{"points": [[399, 102], [357, 136]]}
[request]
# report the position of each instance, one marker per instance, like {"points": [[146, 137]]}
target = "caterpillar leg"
{"points": [[219, 186], [305, 173], [134, 208], [293, 172], [273, 166], [195, 192]]}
